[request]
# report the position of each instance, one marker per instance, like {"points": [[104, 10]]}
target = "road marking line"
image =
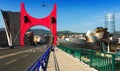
{"points": [[34, 51], [12, 54], [26, 51], [10, 62], [25, 55]]}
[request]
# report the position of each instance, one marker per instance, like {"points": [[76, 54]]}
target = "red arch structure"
{"points": [[27, 21]]}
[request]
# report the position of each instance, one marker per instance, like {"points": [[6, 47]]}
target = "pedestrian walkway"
{"points": [[66, 62], [51, 64]]}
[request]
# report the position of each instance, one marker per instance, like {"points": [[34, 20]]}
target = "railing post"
{"points": [[91, 55], [38, 66], [73, 52], [41, 62], [70, 52], [80, 54], [113, 62]]}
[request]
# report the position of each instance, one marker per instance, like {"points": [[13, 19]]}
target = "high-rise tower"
{"points": [[110, 22]]}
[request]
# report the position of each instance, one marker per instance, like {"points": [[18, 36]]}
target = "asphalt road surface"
{"points": [[19, 59]]}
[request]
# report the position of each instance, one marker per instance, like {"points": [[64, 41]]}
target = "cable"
{"points": [[18, 33]]}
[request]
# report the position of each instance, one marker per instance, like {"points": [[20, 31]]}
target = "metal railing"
{"points": [[41, 63], [99, 60]]}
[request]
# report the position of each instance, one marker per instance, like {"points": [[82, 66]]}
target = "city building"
{"points": [[12, 26], [110, 22]]}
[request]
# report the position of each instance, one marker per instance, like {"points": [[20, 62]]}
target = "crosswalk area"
{"points": [[34, 51]]}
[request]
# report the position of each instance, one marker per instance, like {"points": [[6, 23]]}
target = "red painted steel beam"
{"points": [[27, 21]]}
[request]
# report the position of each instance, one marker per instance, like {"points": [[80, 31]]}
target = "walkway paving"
{"points": [[66, 62], [51, 63]]}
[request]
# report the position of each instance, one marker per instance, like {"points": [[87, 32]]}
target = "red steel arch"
{"points": [[27, 21]]}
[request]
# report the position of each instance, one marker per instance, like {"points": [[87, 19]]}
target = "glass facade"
{"points": [[110, 22]]}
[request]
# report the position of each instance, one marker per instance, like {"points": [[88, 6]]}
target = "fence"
{"points": [[41, 62], [98, 60]]}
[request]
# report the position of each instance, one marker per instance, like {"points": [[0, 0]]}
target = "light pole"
{"points": [[49, 5]]}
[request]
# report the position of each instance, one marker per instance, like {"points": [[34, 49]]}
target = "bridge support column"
{"points": [[27, 21]]}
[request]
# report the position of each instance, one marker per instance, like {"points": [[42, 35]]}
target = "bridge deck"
{"points": [[61, 61]]}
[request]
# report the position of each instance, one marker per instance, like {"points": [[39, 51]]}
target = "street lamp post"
{"points": [[49, 5]]}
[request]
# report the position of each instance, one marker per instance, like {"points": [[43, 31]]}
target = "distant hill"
{"points": [[117, 34], [36, 31], [66, 32], [40, 31], [2, 29], [47, 32]]}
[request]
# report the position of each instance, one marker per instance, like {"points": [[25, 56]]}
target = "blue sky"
{"points": [[73, 15]]}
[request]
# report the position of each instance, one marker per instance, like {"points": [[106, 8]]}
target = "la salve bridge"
{"points": [[53, 57]]}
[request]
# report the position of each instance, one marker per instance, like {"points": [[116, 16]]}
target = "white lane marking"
{"points": [[37, 48], [26, 51], [34, 51], [10, 62], [26, 55], [12, 54]]}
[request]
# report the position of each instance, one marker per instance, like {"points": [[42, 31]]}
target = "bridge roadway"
{"points": [[19, 59], [61, 61]]}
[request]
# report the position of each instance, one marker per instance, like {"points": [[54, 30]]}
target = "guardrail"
{"points": [[41, 63], [96, 59]]}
